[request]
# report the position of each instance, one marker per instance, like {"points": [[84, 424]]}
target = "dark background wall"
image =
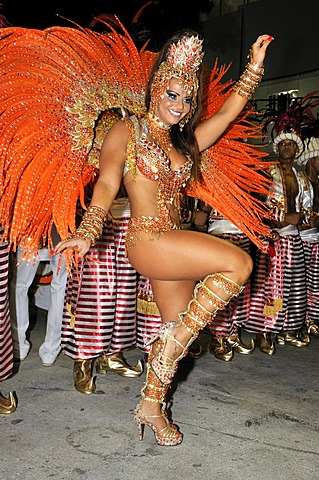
{"points": [[295, 26], [158, 20], [293, 23]]}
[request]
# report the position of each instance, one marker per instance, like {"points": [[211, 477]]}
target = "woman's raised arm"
{"points": [[208, 132]]}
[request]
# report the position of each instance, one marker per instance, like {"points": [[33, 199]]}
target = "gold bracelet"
{"points": [[92, 224], [249, 81], [254, 69]]}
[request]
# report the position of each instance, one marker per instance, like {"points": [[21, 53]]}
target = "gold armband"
{"points": [[249, 80], [92, 224]]}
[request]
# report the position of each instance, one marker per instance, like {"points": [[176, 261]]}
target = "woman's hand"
{"points": [[258, 49], [80, 246]]}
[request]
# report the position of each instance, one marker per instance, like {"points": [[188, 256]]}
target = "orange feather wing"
{"points": [[232, 178], [56, 85]]}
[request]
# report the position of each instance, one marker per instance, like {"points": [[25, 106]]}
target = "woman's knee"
{"points": [[246, 267], [241, 267]]}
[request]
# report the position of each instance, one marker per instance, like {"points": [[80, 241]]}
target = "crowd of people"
{"points": [[279, 303], [133, 252]]}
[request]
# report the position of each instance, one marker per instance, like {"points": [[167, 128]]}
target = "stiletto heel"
{"points": [[161, 368], [165, 437], [8, 405], [140, 426]]}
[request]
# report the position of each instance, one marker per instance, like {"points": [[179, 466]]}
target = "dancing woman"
{"points": [[157, 155]]}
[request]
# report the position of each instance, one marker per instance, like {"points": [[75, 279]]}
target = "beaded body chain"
{"points": [[153, 163]]}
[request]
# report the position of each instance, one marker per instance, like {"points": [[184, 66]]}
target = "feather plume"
{"points": [[289, 118], [55, 84], [232, 169]]}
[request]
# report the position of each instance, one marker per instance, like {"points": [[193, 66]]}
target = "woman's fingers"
{"points": [[266, 38], [258, 49], [80, 246]]}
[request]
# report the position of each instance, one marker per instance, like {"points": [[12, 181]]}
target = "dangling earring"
{"points": [[183, 122], [187, 117]]}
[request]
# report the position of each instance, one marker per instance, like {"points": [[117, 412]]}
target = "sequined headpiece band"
{"points": [[186, 55], [182, 62]]}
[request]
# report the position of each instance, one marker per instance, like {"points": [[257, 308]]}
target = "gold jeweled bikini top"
{"points": [[152, 162]]}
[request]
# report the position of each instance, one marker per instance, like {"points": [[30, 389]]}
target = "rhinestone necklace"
{"points": [[160, 133]]}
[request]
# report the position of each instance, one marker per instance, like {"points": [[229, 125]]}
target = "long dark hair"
{"points": [[184, 141]]}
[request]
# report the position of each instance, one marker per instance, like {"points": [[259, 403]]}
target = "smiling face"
{"points": [[174, 104]]}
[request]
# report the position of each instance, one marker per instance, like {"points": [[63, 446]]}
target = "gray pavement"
{"points": [[253, 418]]}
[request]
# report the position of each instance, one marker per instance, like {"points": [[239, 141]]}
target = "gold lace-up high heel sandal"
{"points": [[8, 405], [161, 367], [155, 391], [194, 319]]}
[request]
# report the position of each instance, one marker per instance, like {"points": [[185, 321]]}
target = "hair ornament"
{"points": [[182, 61], [187, 54]]}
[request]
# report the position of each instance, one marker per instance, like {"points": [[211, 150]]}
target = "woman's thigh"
{"points": [[187, 255], [172, 297]]}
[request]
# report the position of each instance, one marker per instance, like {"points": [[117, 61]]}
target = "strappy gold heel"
{"points": [[161, 367], [155, 391], [168, 436], [194, 319], [8, 405]]}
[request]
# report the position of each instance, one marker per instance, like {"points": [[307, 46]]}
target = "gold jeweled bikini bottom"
{"points": [[153, 226]]}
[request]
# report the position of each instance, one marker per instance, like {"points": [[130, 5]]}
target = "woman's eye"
{"points": [[188, 100], [171, 95]]}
